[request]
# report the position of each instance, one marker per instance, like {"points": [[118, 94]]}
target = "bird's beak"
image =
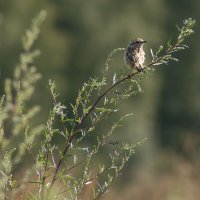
{"points": [[144, 41]]}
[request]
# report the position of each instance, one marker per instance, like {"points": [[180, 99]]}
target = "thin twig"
{"points": [[44, 173], [79, 163], [82, 121], [84, 117]]}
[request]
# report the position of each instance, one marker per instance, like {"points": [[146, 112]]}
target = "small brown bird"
{"points": [[135, 55]]}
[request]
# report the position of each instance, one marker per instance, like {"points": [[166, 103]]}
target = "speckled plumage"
{"points": [[135, 55]]}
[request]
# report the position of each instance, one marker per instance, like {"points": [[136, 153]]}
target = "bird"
{"points": [[135, 55]]}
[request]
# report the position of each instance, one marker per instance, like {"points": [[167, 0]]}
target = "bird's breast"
{"points": [[141, 56]]}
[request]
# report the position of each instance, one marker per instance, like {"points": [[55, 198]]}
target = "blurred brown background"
{"points": [[75, 40]]}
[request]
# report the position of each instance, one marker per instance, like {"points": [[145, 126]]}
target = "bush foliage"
{"points": [[34, 165]]}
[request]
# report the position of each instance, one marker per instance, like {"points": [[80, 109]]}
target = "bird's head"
{"points": [[138, 42]]}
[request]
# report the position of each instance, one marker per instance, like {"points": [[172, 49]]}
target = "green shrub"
{"points": [[34, 165]]}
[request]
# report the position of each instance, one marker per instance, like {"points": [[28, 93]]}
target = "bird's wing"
{"points": [[130, 55]]}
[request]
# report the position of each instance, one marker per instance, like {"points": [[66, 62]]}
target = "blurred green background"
{"points": [[75, 41]]}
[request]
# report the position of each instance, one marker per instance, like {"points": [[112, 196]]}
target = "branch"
{"points": [[185, 31], [77, 128]]}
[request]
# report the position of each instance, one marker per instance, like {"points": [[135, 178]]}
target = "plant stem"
{"points": [[82, 121], [84, 117]]}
